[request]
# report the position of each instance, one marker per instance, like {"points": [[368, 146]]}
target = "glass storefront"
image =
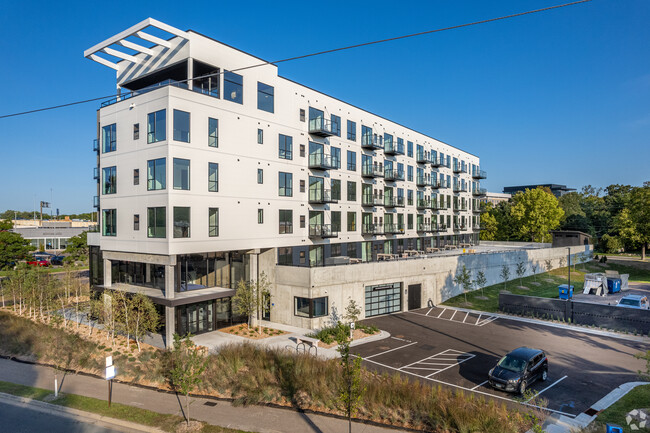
{"points": [[206, 316], [138, 274], [198, 271]]}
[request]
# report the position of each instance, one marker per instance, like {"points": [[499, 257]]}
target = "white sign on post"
{"points": [[109, 361], [110, 372]]}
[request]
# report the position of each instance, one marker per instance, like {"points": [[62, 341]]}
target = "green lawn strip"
{"points": [[638, 398], [100, 407]]}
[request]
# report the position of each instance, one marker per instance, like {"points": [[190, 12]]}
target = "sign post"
{"points": [[351, 329], [110, 374]]}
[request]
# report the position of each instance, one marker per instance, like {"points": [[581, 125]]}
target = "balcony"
{"points": [[477, 209], [394, 201], [96, 145], [372, 229], [435, 183], [442, 184], [459, 227], [438, 162], [479, 174], [96, 202], [367, 200], [320, 161], [372, 171], [393, 228], [422, 181], [460, 188], [478, 228], [96, 173], [460, 207], [422, 158], [441, 228], [460, 168], [436, 206], [393, 175], [423, 204], [321, 196], [392, 148], [424, 228], [478, 192], [321, 127], [322, 231], [369, 142]]}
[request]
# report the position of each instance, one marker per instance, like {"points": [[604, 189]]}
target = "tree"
{"points": [[77, 247], [534, 267], [505, 275], [250, 297], [627, 234], [352, 311], [521, 270], [351, 388], [534, 213], [549, 265], [6, 225], [464, 279], [640, 214], [489, 225], [480, 281], [188, 364], [12, 249], [145, 318]]}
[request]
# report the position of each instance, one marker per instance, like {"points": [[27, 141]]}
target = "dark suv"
{"points": [[519, 369]]}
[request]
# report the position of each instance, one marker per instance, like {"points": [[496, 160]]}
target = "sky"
{"points": [[561, 96]]}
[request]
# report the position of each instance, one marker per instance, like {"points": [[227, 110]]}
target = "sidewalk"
{"points": [[251, 418]]}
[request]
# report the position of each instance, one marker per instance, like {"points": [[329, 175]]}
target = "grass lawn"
{"points": [[100, 407], [638, 398], [543, 285]]}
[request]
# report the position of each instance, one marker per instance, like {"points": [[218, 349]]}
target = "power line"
{"points": [[319, 53]]}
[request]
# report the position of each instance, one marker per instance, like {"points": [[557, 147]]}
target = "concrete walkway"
{"points": [[251, 418]]}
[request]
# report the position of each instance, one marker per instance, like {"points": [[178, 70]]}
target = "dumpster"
{"points": [[613, 428], [613, 285], [566, 292]]}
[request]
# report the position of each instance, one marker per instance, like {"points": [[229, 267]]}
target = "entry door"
{"points": [[415, 296]]}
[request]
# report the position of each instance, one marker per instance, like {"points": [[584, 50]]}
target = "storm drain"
{"points": [[591, 411], [210, 403]]}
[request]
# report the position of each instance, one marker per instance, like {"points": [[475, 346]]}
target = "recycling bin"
{"points": [[566, 292], [613, 428], [613, 285]]}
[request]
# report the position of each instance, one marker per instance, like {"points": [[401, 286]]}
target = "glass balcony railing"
{"points": [[460, 168], [459, 227], [96, 145], [441, 228], [424, 228], [423, 204], [322, 127], [372, 229], [438, 162], [460, 188], [479, 174], [322, 231], [422, 181], [393, 175], [321, 161], [394, 201], [96, 173], [436, 206], [392, 148], [372, 171], [96, 202], [460, 207], [391, 228], [435, 183], [321, 196], [422, 158], [479, 191], [370, 142]]}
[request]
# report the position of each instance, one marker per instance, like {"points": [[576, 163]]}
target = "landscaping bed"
{"points": [[253, 333]]}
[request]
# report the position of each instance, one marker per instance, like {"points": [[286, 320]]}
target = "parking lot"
{"points": [[457, 349]]}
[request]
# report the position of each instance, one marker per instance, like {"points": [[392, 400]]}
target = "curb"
{"points": [[75, 414], [381, 336]]}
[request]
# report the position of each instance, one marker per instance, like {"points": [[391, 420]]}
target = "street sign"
{"points": [[110, 372]]}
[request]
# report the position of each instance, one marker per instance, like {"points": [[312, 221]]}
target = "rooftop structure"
{"points": [[557, 190]]}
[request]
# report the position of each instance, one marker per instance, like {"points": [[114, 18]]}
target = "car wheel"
{"points": [[544, 375], [522, 387]]}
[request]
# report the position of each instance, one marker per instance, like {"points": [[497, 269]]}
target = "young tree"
{"points": [[352, 311], [351, 388], [13, 248], [145, 318], [464, 279], [521, 270], [480, 281], [549, 265], [249, 297], [534, 213], [505, 275], [188, 364], [534, 267]]}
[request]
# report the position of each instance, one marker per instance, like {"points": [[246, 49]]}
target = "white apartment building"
{"points": [[211, 171]]}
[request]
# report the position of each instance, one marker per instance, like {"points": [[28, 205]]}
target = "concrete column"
{"points": [[170, 326], [170, 281], [107, 273], [190, 72]]}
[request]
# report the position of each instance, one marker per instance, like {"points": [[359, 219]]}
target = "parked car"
{"points": [[57, 260], [634, 301], [38, 261], [516, 371]]}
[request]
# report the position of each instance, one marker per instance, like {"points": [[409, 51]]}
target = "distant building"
{"points": [[557, 190], [50, 235], [495, 198], [570, 238]]}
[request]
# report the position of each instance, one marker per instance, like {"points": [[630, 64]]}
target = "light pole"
{"points": [[569, 262]]}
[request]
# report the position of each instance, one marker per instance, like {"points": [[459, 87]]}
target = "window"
{"points": [[156, 126], [352, 130], [409, 221], [409, 173], [136, 131], [109, 138], [109, 222], [286, 221], [213, 132], [265, 97], [285, 256], [136, 222], [366, 135], [286, 146], [352, 160], [285, 184], [352, 221], [136, 176], [182, 126], [302, 221], [302, 114], [336, 125], [336, 221], [213, 177], [409, 149], [335, 250], [181, 222], [336, 156], [409, 197], [305, 307], [302, 257], [260, 136], [302, 150], [336, 189], [156, 222], [352, 191], [182, 174], [156, 174], [260, 216], [302, 185], [233, 87], [109, 175], [213, 222], [260, 175]]}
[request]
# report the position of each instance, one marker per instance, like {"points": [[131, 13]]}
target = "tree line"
{"points": [[10, 214]]}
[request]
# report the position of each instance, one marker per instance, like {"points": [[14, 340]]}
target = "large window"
{"points": [[409, 149], [213, 222], [181, 222], [286, 221], [213, 177], [285, 184], [156, 222], [109, 222], [265, 97], [352, 130], [383, 299], [285, 256], [182, 174], [336, 221], [182, 126], [285, 144], [109, 182], [336, 189], [305, 307], [336, 124], [352, 160], [352, 221], [156, 174], [233, 87], [156, 126], [352, 191], [213, 132], [109, 138], [336, 156]]}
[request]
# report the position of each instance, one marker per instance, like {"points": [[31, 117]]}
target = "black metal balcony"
{"points": [[320, 196], [460, 168], [459, 227], [460, 207], [320, 161], [96, 173], [441, 228], [422, 181], [393, 201], [436, 206], [422, 158], [96, 145], [392, 148], [438, 162], [372, 229], [393, 228], [424, 228], [479, 174], [478, 192], [321, 127], [460, 188], [423, 204], [443, 184], [393, 175], [477, 209], [370, 142], [322, 231], [435, 183], [372, 171]]}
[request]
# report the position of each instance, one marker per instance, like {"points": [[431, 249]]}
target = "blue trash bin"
{"points": [[613, 285], [565, 292], [613, 428]]}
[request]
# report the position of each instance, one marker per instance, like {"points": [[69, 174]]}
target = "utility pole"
{"points": [[569, 262]]}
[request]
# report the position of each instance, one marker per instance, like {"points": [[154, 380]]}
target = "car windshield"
{"points": [[511, 363], [629, 302]]}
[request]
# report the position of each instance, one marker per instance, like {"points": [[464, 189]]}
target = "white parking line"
{"points": [[480, 321], [480, 385], [479, 318], [453, 365], [428, 311], [548, 387], [397, 348], [466, 317], [441, 313], [452, 316]]}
